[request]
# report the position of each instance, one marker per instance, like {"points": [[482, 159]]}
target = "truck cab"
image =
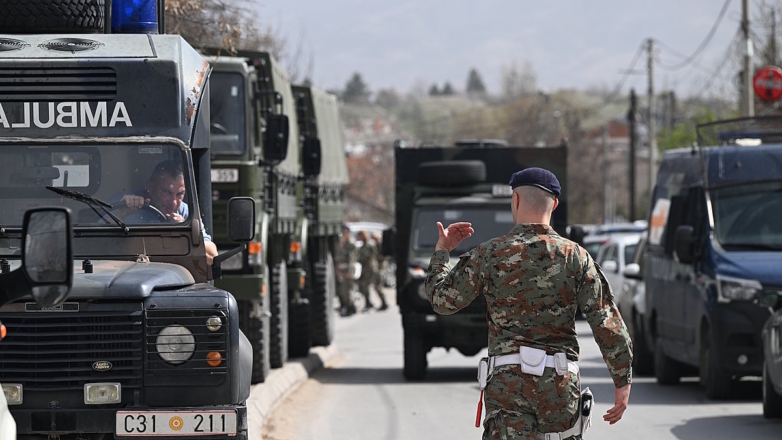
{"points": [[145, 346]]}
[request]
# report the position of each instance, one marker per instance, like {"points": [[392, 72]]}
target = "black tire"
{"points": [[643, 358], [51, 16], [322, 313], [452, 173], [718, 385], [666, 370], [278, 301], [256, 329], [415, 354], [299, 339], [772, 402]]}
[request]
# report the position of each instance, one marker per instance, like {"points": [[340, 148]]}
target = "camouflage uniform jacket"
{"points": [[345, 257], [367, 257], [533, 280]]}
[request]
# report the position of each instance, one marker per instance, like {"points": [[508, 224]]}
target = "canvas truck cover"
{"points": [[282, 85], [328, 125]]}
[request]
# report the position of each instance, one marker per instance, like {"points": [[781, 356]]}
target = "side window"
{"points": [[609, 254], [676, 217]]}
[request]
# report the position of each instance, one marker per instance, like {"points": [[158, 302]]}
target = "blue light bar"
{"points": [[134, 17]]}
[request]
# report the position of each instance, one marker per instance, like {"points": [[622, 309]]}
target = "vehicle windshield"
{"points": [[227, 113], [489, 221], [747, 216], [155, 174]]}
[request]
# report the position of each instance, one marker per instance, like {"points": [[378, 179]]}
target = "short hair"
{"points": [[171, 168], [535, 199]]}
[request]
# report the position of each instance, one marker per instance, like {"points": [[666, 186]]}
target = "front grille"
{"points": [[30, 84], [57, 351], [206, 341]]}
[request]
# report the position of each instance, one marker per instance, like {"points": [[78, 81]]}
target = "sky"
{"points": [[569, 43]]}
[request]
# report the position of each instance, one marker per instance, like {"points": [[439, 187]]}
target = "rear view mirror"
{"points": [[275, 140], [241, 219], [47, 259], [610, 266], [682, 243], [633, 271], [389, 236], [311, 157]]}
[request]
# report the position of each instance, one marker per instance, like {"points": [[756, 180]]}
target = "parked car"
{"points": [[631, 301], [595, 238], [614, 255], [772, 365]]}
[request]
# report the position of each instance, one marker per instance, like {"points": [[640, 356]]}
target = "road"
{"points": [[362, 395]]}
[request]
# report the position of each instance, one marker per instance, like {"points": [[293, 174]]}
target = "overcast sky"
{"points": [[570, 43]]}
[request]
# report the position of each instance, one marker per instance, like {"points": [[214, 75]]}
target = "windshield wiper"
{"points": [[761, 246], [90, 201]]}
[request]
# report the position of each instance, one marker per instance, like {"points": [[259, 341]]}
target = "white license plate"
{"points": [[225, 175], [175, 423]]}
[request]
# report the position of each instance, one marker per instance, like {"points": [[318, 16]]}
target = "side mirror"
{"points": [[311, 157], [389, 237], [682, 243], [275, 139], [610, 266], [47, 254], [632, 271], [241, 219]]}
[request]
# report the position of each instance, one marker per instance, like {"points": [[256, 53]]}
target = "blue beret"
{"points": [[543, 179]]}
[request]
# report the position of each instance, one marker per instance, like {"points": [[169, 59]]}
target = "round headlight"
{"points": [[214, 323], [175, 344]]}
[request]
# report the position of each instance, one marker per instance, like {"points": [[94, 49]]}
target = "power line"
{"points": [[731, 47], [703, 44]]}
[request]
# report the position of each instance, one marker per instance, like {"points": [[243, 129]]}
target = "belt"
{"points": [[515, 359]]}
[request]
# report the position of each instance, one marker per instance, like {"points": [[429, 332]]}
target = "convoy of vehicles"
{"points": [[713, 255], [468, 182], [630, 298]]}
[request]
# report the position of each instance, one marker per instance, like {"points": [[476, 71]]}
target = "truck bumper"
{"points": [[103, 420], [738, 329], [244, 287], [468, 333]]}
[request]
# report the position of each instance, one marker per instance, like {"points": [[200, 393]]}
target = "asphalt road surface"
{"points": [[362, 395]]}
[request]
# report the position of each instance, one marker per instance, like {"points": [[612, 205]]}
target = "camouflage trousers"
{"points": [[363, 287], [519, 406], [343, 293]]}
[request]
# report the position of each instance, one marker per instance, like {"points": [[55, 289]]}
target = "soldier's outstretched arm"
{"points": [[597, 302], [452, 290]]}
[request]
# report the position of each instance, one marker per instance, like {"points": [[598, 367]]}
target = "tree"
{"points": [[447, 89], [517, 81], [387, 98], [475, 84], [684, 134], [434, 91], [356, 90]]}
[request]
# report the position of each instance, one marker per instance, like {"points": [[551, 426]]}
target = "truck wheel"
{"points": [[299, 340], [278, 300], [324, 288], [666, 370], [643, 359], [415, 354], [51, 16], [718, 385], [256, 328], [772, 402]]}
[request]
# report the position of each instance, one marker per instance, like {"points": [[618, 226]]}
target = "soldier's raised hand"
{"points": [[451, 236]]}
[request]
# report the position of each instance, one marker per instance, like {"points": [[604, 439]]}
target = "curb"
{"points": [[265, 396]]}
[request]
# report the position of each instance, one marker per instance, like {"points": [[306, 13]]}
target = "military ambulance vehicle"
{"points": [[253, 113], [713, 254], [324, 167], [468, 182], [145, 346]]}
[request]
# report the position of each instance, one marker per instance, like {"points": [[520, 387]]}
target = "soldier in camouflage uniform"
{"points": [[532, 281], [377, 282], [344, 260], [367, 257]]}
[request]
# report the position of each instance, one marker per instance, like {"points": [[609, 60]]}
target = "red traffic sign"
{"points": [[768, 83]]}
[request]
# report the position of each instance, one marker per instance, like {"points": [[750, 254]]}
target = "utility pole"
{"points": [[606, 179], [651, 116], [672, 103], [747, 101], [631, 117]]}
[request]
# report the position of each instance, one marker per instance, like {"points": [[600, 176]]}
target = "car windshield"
{"points": [[98, 173], [488, 221], [227, 113], [747, 216]]}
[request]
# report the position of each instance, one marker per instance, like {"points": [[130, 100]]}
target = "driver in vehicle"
{"points": [[165, 191]]}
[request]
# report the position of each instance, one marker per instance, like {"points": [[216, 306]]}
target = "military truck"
{"points": [[144, 346], [251, 99], [322, 194], [467, 182]]}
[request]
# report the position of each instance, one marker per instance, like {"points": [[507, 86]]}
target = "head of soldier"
{"points": [[535, 195], [345, 236], [166, 187], [363, 236]]}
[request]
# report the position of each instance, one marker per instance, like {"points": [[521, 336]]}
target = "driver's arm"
{"points": [[211, 250], [134, 202]]}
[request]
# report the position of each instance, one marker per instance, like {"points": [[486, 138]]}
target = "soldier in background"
{"points": [[367, 257], [532, 281], [381, 270], [344, 265]]}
